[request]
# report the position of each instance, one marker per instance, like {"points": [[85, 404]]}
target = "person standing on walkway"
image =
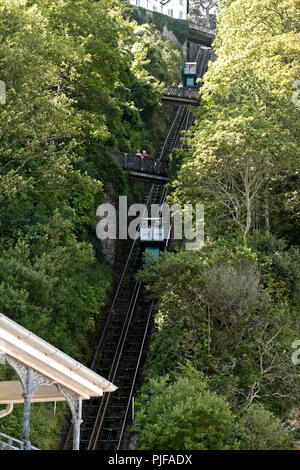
{"points": [[180, 89]]}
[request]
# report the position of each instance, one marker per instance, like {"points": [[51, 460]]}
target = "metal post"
{"points": [[30, 380], [26, 420], [75, 404], [132, 409], [76, 427]]}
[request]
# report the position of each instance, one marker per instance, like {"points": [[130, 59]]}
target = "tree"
{"points": [[201, 11], [263, 431], [237, 327], [52, 285], [235, 158], [183, 415], [245, 138]]}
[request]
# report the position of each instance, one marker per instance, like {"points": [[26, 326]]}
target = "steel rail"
{"points": [[135, 375], [114, 368]]}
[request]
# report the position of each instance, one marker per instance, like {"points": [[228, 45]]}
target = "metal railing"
{"points": [[10, 443], [139, 163], [203, 57], [205, 29], [187, 93]]}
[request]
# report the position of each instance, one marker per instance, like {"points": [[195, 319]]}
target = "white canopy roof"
{"points": [[11, 392], [60, 368]]}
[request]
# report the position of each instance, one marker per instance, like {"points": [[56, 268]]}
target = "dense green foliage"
{"points": [[229, 313], [184, 415], [244, 146], [261, 430], [178, 27], [187, 415], [82, 79]]}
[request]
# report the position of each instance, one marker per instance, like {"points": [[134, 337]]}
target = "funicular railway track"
{"points": [[123, 338], [122, 342], [202, 59]]}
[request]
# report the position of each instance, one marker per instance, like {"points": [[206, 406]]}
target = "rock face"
{"points": [[133, 443], [171, 36], [109, 247]]}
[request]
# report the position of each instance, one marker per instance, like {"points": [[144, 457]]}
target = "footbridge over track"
{"points": [[201, 34], [143, 167], [157, 170], [184, 96]]}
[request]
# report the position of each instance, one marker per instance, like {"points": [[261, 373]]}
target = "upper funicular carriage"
{"points": [[190, 74]]}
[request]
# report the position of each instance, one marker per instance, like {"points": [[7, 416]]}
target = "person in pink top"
{"points": [[144, 154]]}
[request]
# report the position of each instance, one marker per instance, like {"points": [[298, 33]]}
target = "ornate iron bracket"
{"points": [[75, 404], [30, 378]]}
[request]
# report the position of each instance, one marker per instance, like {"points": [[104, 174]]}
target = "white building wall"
{"points": [[175, 8]]}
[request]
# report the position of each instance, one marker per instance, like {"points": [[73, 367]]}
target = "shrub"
{"points": [[263, 431], [183, 415]]}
